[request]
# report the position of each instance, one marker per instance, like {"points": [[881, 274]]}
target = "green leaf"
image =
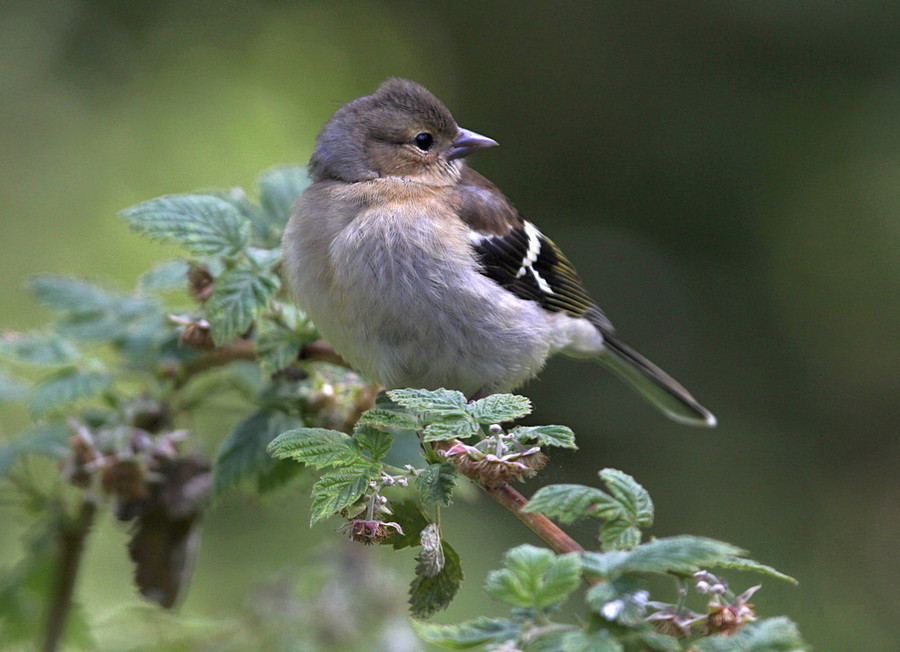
{"points": [[621, 601], [741, 563], [435, 483], [243, 452], [205, 225], [439, 402], [68, 294], [410, 517], [163, 277], [38, 348], [619, 534], [571, 502], [277, 347], [48, 440], [599, 641], [470, 633], [340, 489], [450, 427], [770, 635], [237, 299], [316, 447], [279, 189], [428, 595], [499, 408], [534, 577], [558, 436], [376, 443], [680, 554], [633, 497], [398, 419], [66, 386]]}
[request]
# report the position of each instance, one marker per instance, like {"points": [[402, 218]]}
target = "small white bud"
{"points": [[495, 429]]}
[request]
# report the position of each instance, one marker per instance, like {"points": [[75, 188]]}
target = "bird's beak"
{"points": [[468, 142]]}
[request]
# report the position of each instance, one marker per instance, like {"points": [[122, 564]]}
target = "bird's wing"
{"points": [[516, 255]]}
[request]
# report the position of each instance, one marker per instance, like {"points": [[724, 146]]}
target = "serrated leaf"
{"points": [[204, 224], [38, 348], [398, 419], [604, 565], [571, 502], [439, 402], [450, 427], [376, 443], [279, 189], [48, 440], [428, 595], [599, 641], [499, 408], [277, 347], [243, 452], [435, 484], [679, 554], [68, 294], [743, 564], [340, 489], [470, 633], [769, 635], [534, 577], [619, 534], [558, 436], [633, 497], [163, 277], [66, 386], [318, 447], [430, 558], [621, 601], [237, 299]]}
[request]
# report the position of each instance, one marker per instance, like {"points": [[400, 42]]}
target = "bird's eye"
{"points": [[424, 141]]}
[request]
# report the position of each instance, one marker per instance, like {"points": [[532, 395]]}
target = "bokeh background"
{"points": [[726, 176]]}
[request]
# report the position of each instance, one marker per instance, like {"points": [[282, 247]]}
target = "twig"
{"points": [[548, 531], [71, 536]]}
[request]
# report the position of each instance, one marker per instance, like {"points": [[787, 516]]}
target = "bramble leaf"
{"points": [[741, 563], [499, 408], [399, 419], [318, 447], [534, 577], [373, 441], [337, 490], [769, 635], [66, 386], [632, 496], [428, 595], [468, 634], [162, 277], [205, 225], [438, 402], [279, 189], [277, 347], [435, 483], [558, 436], [571, 502], [450, 427], [238, 297]]}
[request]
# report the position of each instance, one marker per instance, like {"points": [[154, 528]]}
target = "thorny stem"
{"points": [[70, 539]]}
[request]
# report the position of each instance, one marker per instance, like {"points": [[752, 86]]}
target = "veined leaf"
{"points": [[204, 224], [435, 483], [499, 408], [277, 347], [318, 447], [571, 502], [450, 427], [386, 418], [633, 497], [339, 489], [279, 189], [170, 275], [376, 443], [428, 595], [741, 563], [441, 402], [534, 577], [430, 558], [237, 299], [558, 436]]}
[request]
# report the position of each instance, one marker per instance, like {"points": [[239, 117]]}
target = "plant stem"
{"points": [[548, 531], [71, 535]]}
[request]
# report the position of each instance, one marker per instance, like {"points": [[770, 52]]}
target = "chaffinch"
{"points": [[421, 273]]}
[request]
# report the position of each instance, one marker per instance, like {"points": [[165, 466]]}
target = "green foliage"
{"points": [[123, 376], [534, 578]]}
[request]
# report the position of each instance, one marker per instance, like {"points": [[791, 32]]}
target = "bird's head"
{"points": [[401, 130]]}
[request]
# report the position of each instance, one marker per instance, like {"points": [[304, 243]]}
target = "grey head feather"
{"points": [[388, 114]]}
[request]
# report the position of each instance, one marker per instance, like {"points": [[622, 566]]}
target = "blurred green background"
{"points": [[725, 175]]}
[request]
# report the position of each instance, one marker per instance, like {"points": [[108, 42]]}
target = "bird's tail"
{"points": [[654, 384]]}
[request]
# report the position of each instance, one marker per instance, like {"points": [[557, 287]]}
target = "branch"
{"points": [[71, 536], [548, 531]]}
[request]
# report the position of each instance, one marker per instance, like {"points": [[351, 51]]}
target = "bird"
{"points": [[421, 273]]}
